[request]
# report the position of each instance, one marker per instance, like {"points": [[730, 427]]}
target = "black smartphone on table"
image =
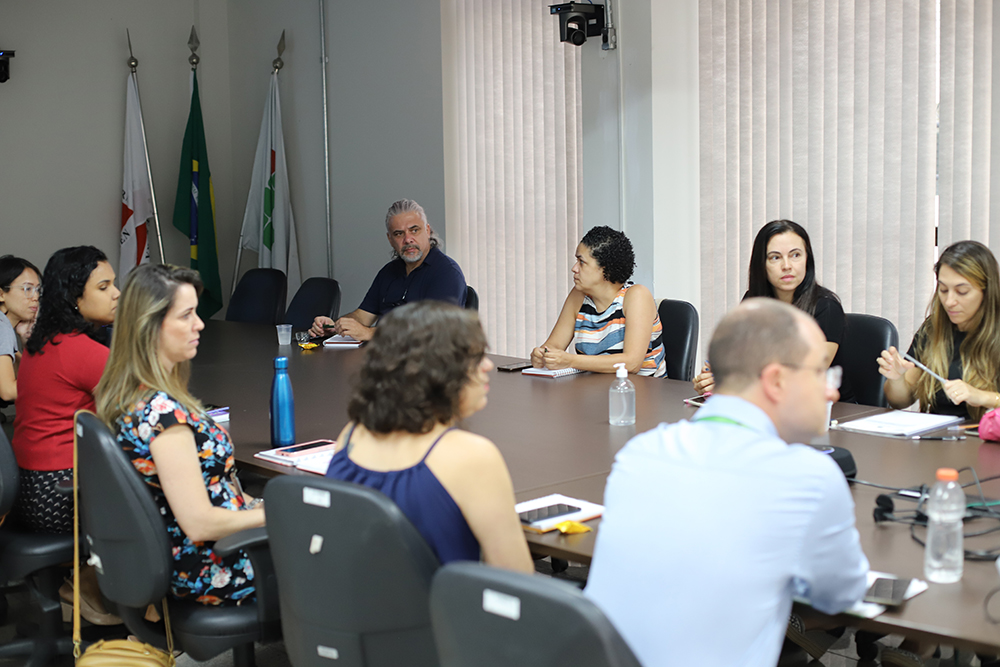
{"points": [[549, 512], [887, 592]]}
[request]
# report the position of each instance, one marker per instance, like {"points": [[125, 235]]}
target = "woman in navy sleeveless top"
{"points": [[424, 370]]}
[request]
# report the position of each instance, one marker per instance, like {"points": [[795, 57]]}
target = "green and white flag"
{"points": [[268, 225]]}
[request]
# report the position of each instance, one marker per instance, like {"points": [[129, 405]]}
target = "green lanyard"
{"points": [[719, 419]]}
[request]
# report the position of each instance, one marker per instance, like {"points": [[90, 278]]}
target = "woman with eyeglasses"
{"points": [[959, 340], [782, 267], [20, 283]]}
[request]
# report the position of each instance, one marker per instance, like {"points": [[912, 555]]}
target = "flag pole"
{"points": [[133, 64]]}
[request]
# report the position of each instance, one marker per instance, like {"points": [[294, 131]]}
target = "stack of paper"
{"points": [[899, 423], [341, 341]]}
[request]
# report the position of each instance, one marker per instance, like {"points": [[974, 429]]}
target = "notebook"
{"points": [[586, 512], [341, 341], [899, 423], [546, 373]]}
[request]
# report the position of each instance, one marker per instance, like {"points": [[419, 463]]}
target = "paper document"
{"points": [[341, 341], [899, 423], [870, 609], [587, 511], [317, 464], [545, 372]]}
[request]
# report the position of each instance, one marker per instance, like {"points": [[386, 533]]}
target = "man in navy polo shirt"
{"points": [[417, 271]]}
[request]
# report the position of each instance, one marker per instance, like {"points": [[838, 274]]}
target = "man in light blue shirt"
{"points": [[712, 526]]}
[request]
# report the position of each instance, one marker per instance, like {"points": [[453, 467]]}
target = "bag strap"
{"points": [[77, 640]]}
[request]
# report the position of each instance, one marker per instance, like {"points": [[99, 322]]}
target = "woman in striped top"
{"points": [[607, 319]]}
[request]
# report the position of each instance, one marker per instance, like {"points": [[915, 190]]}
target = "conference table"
{"points": [[555, 437]]}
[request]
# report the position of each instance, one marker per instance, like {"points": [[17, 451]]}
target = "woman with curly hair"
{"points": [[426, 369], [63, 362], [608, 319], [20, 285], [782, 267], [181, 453], [959, 340]]}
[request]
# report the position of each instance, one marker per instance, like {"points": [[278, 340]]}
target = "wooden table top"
{"points": [[555, 437]]}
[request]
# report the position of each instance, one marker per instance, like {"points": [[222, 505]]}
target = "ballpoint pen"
{"points": [[924, 368]]}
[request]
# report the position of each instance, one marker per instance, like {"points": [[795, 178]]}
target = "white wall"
{"points": [[649, 85], [63, 110]]}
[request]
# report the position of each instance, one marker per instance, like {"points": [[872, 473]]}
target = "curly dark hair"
{"points": [[417, 363], [65, 277], [11, 267], [613, 252]]}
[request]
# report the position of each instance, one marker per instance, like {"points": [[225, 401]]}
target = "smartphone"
{"points": [[887, 592], [305, 448], [549, 512], [516, 366]]}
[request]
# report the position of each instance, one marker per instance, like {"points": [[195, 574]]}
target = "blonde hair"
{"points": [[134, 370], [980, 351]]}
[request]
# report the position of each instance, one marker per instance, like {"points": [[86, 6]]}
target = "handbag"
{"points": [[114, 652], [989, 425]]}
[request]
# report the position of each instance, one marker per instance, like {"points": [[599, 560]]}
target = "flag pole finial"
{"points": [[193, 44], [132, 62], [278, 63]]}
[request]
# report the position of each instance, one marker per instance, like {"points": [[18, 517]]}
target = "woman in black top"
{"points": [[959, 340], [782, 267]]}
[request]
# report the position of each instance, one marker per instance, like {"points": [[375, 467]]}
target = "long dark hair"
{"points": [[809, 292], [65, 278], [417, 364]]}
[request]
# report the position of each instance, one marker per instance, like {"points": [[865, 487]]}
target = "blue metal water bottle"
{"points": [[282, 405]]}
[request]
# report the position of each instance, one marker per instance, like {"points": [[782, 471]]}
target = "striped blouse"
{"points": [[604, 333]]}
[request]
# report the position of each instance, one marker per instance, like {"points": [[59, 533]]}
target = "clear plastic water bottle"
{"points": [[621, 399], [944, 553], [282, 405]]}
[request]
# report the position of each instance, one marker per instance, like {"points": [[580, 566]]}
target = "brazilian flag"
{"points": [[194, 214]]}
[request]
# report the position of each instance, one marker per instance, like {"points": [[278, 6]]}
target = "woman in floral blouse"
{"points": [[180, 452]]}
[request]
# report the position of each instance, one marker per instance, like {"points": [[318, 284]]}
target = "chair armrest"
{"points": [[254, 542], [245, 540]]}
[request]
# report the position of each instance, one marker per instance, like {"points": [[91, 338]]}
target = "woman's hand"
{"points": [[23, 329], [538, 357], [704, 382], [892, 365], [958, 392], [556, 359]]}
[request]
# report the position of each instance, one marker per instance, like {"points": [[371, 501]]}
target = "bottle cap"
{"points": [[280, 362], [622, 372], [947, 475]]}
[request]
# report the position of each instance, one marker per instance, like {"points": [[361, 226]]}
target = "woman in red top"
{"points": [[62, 364]]}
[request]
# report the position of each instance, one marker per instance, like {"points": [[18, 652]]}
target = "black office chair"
{"points": [[354, 576], [126, 532], [471, 298], [488, 617], [679, 320], [40, 560], [316, 296], [864, 339], [259, 297]]}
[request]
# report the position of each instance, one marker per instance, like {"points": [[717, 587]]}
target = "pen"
{"points": [[938, 437], [924, 368]]}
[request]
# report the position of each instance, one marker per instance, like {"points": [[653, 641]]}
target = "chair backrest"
{"points": [[489, 617], [354, 575], [864, 339], [10, 476], [679, 320], [316, 296], [259, 297], [471, 298], [121, 523]]}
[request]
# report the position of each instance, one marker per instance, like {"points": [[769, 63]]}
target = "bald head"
{"points": [[756, 333]]}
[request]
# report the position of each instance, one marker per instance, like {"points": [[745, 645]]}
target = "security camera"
{"points": [[578, 21], [5, 56]]}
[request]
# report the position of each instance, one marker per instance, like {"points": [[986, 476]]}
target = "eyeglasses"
{"points": [[29, 290], [834, 374]]}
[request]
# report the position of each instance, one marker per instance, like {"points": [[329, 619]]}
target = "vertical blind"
{"points": [[514, 189], [826, 113]]}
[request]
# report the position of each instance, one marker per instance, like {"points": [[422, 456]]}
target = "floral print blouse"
{"points": [[199, 574]]}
